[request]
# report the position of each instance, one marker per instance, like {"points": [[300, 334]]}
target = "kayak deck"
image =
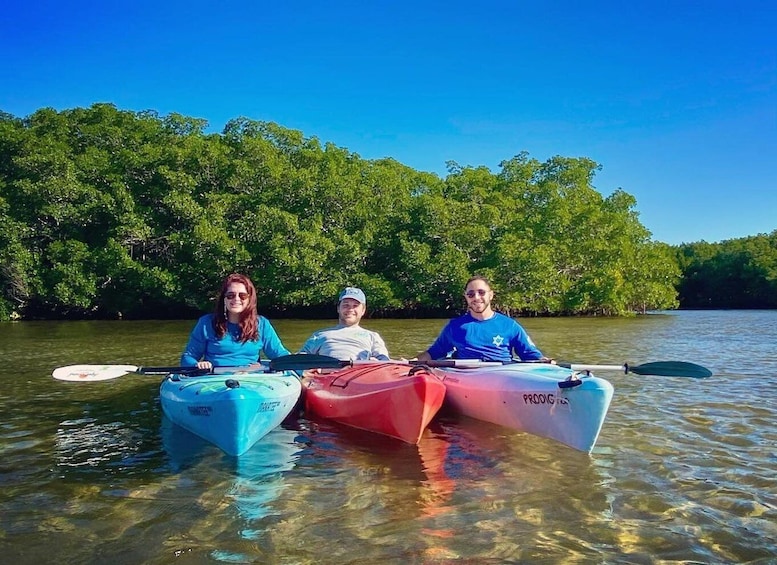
{"points": [[539, 399], [394, 399]]}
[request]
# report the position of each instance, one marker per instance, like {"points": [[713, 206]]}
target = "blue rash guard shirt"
{"points": [[488, 340], [229, 351]]}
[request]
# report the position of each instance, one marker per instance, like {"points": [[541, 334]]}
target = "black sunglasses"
{"points": [[232, 295], [478, 292]]}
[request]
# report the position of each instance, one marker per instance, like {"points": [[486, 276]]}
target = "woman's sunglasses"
{"points": [[473, 293], [232, 295]]}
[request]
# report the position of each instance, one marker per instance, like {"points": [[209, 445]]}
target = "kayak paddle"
{"points": [[307, 361], [656, 368], [91, 373]]}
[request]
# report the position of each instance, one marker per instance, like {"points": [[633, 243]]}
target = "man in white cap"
{"points": [[348, 340]]}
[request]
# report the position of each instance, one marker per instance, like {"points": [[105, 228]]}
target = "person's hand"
{"points": [[423, 357], [204, 365]]}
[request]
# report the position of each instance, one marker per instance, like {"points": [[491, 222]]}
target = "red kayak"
{"points": [[394, 399]]}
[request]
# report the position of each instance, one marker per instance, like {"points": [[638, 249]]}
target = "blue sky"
{"points": [[677, 101]]}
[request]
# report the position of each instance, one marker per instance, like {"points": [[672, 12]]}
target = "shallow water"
{"points": [[684, 471]]}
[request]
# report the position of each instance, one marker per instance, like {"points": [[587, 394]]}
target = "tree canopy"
{"points": [[105, 213], [738, 273]]}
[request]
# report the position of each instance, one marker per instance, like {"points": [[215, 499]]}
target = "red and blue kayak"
{"points": [[394, 399]]}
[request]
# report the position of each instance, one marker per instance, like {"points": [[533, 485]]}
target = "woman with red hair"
{"points": [[234, 335]]}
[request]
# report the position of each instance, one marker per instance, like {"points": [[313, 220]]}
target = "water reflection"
{"points": [[257, 475], [111, 430], [250, 484], [165, 477], [86, 442], [683, 470], [467, 488]]}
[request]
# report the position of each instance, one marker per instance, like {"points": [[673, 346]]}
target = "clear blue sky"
{"points": [[676, 100]]}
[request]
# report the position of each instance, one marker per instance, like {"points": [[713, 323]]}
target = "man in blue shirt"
{"points": [[482, 333]]}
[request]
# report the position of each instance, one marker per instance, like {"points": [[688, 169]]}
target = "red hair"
{"points": [[249, 318]]}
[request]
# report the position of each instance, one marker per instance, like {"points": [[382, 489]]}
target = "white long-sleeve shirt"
{"points": [[346, 343]]}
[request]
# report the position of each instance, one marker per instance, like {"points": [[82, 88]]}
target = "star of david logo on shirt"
{"points": [[498, 340]]}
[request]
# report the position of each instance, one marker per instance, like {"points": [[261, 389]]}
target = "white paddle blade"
{"points": [[91, 373]]}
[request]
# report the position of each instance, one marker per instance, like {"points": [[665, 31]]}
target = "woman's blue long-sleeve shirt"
{"points": [[229, 351]]}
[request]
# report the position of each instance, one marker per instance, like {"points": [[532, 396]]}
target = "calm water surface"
{"points": [[685, 471]]}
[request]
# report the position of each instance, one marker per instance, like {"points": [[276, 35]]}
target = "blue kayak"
{"points": [[232, 410]]}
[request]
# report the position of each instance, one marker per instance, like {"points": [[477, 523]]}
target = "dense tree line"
{"points": [[738, 273], [105, 212]]}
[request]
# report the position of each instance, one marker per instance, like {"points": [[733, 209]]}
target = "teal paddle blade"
{"points": [[671, 369], [305, 361]]}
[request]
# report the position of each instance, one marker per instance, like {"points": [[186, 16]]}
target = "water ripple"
{"points": [[683, 472]]}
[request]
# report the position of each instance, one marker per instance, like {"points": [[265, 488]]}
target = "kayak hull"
{"points": [[540, 399], [231, 410], [392, 399]]}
